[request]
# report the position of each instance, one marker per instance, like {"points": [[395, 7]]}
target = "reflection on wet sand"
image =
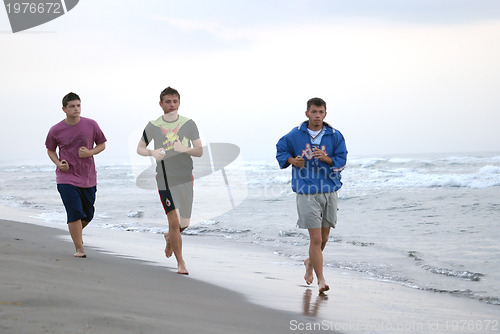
{"points": [[311, 309]]}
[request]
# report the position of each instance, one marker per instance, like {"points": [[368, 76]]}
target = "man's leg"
{"points": [[325, 233], [174, 239], [182, 196], [316, 256], [84, 223], [184, 223], [75, 230], [78, 203], [309, 276]]}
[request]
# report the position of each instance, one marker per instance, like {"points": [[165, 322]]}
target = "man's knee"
{"points": [[173, 219], [316, 239]]}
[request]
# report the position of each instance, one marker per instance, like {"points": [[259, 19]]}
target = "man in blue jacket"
{"points": [[318, 154]]}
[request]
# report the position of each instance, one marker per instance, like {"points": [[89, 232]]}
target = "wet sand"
{"points": [[126, 285]]}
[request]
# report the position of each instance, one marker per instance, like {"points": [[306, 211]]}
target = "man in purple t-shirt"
{"points": [[76, 176]]}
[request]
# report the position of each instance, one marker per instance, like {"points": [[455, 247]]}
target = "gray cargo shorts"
{"points": [[317, 210]]}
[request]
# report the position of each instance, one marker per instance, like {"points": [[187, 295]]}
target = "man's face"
{"points": [[73, 108], [170, 103], [316, 115]]}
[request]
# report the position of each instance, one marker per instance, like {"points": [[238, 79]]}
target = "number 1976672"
{"points": [[34, 8]]}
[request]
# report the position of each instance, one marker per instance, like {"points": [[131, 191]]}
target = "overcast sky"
{"points": [[398, 76]]}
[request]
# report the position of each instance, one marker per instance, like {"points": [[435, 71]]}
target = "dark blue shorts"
{"points": [[79, 202]]}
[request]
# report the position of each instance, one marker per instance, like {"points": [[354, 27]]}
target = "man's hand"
{"points": [[63, 166], [158, 154], [178, 147], [320, 155], [298, 162], [84, 152]]}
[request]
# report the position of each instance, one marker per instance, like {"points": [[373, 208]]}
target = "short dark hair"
{"points": [[169, 91], [317, 102], [70, 97]]}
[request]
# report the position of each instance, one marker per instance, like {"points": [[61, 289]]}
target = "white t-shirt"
{"points": [[316, 136]]}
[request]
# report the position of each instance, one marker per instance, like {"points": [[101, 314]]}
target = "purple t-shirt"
{"points": [[69, 139]]}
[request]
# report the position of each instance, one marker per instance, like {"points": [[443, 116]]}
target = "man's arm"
{"points": [[298, 162], [84, 152], [283, 155], [142, 149], [339, 157], [62, 165], [195, 151]]}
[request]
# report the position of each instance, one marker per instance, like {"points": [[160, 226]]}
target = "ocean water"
{"points": [[427, 222]]}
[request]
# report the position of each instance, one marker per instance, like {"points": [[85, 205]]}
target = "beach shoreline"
{"points": [[355, 304]]}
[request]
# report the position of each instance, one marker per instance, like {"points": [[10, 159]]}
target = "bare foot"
{"points": [[80, 253], [323, 287], [309, 276], [168, 247], [182, 270]]}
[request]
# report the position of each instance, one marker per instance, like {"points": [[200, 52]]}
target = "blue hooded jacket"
{"points": [[316, 176]]}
